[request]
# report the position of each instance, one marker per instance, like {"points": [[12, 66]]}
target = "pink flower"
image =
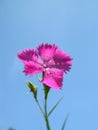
{"points": [[49, 60]]}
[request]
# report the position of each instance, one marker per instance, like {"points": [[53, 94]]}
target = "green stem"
{"points": [[46, 115], [41, 110]]}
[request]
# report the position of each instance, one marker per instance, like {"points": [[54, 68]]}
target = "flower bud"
{"points": [[33, 88]]}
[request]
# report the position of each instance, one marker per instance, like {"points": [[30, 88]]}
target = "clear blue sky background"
{"points": [[73, 26]]}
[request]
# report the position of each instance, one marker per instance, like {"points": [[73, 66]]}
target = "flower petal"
{"points": [[62, 60], [53, 78], [32, 68], [46, 51], [27, 55]]}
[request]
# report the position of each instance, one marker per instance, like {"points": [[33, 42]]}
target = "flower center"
{"points": [[44, 65]]}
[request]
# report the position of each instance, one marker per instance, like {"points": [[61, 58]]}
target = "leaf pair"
{"points": [[66, 118]]}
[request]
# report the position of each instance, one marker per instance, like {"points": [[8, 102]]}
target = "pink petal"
{"points": [[32, 68], [28, 55], [62, 60], [53, 78], [46, 51]]}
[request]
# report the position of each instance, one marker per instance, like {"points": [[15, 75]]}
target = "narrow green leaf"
{"points": [[54, 107], [65, 121], [11, 129]]}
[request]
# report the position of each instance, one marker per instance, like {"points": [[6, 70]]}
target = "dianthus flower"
{"points": [[49, 60]]}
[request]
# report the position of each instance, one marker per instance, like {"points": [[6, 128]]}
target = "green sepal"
{"points": [[33, 88], [54, 106], [65, 121], [46, 91]]}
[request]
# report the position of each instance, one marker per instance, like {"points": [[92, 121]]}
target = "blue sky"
{"points": [[73, 26]]}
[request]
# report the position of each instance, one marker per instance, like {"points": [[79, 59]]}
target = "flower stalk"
{"points": [[40, 108], [46, 115]]}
